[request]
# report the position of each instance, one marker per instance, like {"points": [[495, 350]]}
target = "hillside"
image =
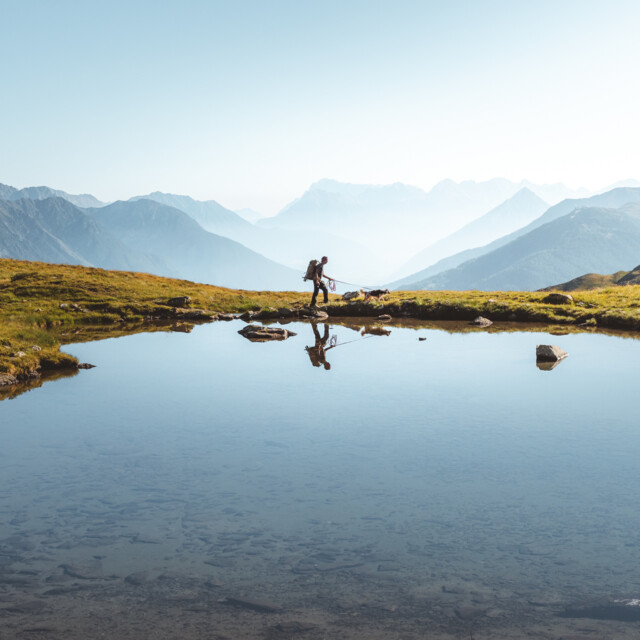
{"points": [[188, 250], [611, 199], [591, 281], [591, 239], [513, 214], [54, 230]]}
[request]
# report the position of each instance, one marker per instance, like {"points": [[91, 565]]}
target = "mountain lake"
{"points": [[339, 484]]}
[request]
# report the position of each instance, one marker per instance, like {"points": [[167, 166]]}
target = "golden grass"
{"points": [[45, 305]]}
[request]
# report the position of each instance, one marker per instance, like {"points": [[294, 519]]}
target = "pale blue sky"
{"points": [[248, 102]]}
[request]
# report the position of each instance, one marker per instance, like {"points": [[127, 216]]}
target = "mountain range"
{"points": [[135, 236], [462, 270], [365, 230], [511, 215], [398, 220]]}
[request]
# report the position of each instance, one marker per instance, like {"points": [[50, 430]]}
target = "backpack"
{"points": [[310, 274]]}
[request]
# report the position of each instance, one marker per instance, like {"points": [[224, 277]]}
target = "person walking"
{"points": [[318, 284]]}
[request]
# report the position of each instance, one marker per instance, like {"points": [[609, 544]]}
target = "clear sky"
{"points": [[249, 101]]}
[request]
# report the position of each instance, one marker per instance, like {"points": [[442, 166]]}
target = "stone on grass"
{"points": [[179, 301], [558, 298]]}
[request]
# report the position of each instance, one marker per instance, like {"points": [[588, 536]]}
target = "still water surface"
{"points": [[411, 489]]}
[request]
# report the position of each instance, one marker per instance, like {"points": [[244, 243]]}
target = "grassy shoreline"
{"points": [[43, 306]]}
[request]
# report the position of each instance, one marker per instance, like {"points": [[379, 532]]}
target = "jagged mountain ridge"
{"points": [[42, 193]]}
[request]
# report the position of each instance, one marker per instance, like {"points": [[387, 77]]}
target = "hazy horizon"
{"points": [[250, 103]]}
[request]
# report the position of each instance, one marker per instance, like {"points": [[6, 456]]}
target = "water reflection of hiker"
{"points": [[317, 352], [317, 282]]}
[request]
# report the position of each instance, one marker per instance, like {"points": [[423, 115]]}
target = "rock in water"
{"points": [[385, 317], [558, 298], [549, 353], [481, 322], [257, 333]]}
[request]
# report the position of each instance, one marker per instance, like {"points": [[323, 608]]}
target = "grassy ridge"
{"points": [[44, 305]]}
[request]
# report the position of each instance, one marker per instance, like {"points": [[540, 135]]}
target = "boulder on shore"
{"points": [[179, 301], [314, 313], [558, 298], [550, 353], [258, 333], [7, 379], [351, 295], [480, 321]]}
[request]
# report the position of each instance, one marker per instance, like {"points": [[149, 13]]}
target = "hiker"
{"points": [[318, 274], [318, 351]]}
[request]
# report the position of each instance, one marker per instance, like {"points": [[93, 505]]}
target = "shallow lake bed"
{"points": [[201, 485]]}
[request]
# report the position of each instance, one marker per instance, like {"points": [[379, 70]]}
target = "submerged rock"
{"points": [[621, 609], [255, 604], [549, 353], [258, 333], [86, 365], [480, 321]]}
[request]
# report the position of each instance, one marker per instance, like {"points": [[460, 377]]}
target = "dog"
{"points": [[376, 293]]}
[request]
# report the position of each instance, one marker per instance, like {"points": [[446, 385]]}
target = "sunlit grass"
{"points": [[45, 305]]}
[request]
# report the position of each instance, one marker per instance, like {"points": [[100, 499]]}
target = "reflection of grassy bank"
{"points": [[44, 305]]}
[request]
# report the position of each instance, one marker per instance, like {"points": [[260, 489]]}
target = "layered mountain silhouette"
{"points": [[54, 230], [587, 239], [41, 193], [189, 251], [134, 236], [397, 220], [515, 213], [292, 247], [456, 272], [209, 214]]}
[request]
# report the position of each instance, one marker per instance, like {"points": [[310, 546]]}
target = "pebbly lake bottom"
{"points": [[204, 486]]}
